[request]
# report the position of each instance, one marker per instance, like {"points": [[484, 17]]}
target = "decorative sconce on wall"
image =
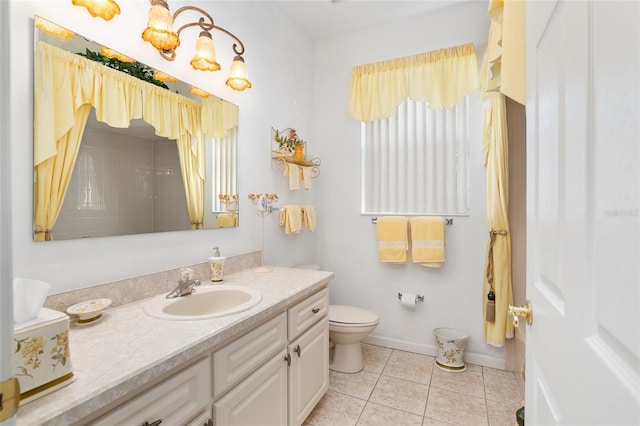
{"points": [[160, 34], [105, 9]]}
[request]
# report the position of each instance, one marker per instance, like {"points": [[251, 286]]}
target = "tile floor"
{"points": [[403, 388]]}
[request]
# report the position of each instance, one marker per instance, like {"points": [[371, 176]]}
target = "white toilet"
{"points": [[348, 326]]}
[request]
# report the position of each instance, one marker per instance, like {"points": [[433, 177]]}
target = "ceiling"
{"points": [[328, 18]]}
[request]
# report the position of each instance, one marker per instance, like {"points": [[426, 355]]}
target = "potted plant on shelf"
{"points": [[291, 145]]}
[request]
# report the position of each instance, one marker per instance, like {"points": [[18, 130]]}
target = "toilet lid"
{"points": [[351, 315]]}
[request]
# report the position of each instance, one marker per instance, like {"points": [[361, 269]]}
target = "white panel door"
{"points": [[583, 156]]}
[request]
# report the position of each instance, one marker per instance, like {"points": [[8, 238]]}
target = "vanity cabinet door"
{"points": [[260, 399], [309, 371], [175, 401], [241, 357]]}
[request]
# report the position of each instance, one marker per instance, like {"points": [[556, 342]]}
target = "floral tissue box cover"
{"points": [[42, 357]]}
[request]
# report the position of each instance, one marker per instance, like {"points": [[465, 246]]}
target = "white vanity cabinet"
{"points": [[277, 373], [182, 399]]}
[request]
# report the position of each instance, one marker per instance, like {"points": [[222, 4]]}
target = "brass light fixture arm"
{"points": [[170, 55]]}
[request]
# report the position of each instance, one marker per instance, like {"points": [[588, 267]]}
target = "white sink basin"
{"points": [[204, 303]]}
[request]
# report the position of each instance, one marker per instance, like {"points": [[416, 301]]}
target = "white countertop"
{"points": [[128, 349]]}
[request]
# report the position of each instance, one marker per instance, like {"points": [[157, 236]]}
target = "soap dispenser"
{"points": [[216, 264]]}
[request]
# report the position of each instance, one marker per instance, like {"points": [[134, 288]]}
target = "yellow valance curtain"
{"points": [[440, 77], [504, 65], [222, 116], [65, 82]]}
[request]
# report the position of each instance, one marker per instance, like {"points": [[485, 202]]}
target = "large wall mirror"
{"points": [[133, 175]]}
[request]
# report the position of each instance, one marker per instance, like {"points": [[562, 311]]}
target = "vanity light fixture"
{"points": [[105, 9], [160, 34], [53, 29], [110, 53], [199, 92], [160, 76]]}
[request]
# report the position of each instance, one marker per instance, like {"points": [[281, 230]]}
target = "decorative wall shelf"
{"points": [[279, 162], [282, 146]]}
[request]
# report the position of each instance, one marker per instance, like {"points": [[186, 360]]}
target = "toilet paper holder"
{"points": [[419, 297]]}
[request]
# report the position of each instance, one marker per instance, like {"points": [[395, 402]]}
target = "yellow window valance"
{"points": [[65, 81], [440, 77], [504, 64]]}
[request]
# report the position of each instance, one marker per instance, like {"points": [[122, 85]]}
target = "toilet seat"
{"points": [[351, 316]]}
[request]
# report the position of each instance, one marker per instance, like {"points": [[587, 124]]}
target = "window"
{"points": [[224, 155], [415, 162]]}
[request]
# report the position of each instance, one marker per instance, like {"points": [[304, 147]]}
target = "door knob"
{"points": [[521, 311]]}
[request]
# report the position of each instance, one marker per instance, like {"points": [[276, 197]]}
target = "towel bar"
{"points": [[447, 220]]}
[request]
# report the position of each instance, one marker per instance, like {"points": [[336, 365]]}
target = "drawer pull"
{"points": [[298, 350], [315, 310], [288, 359], [156, 423]]}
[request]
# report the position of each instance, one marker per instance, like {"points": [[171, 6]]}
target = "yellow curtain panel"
{"points": [[440, 77], [498, 259], [502, 73], [66, 83], [53, 175]]}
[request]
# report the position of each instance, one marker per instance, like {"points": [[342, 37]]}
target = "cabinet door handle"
{"points": [[209, 423], [288, 359], [156, 423], [297, 350], [315, 310]]}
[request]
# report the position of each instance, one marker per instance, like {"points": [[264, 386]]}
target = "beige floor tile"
{"points": [[380, 415], [456, 408], [469, 382], [359, 385], [375, 357], [336, 409], [502, 413], [409, 366], [401, 394], [432, 422], [496, 372], [502, 388]]}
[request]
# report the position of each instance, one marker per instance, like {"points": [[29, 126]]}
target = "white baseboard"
{"points": [[432, 350]]}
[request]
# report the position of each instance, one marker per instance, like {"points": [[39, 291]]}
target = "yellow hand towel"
{"points": [[291, 218], [309, 217], [226, 220], [293, 171], [392, 239], [427, 240], [306, 176]]}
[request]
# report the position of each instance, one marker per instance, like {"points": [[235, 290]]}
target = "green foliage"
{"points": [[134, 69], [288, 142]]}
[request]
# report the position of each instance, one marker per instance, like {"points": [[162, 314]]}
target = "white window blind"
{"points": [[224, 170], [415, 162]]}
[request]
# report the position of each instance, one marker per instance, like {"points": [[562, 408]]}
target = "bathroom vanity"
{"points": [[267, 365]]}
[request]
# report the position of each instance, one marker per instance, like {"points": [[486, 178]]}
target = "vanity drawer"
{"points": [[307, 312], [241, 357], [174, 401]]}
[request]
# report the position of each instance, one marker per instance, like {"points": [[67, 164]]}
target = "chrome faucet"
{"points": [[185, 285]]}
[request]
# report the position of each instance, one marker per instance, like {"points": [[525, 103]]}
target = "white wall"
{"points": [[278, 59], [295, 84], [347, 243]]}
